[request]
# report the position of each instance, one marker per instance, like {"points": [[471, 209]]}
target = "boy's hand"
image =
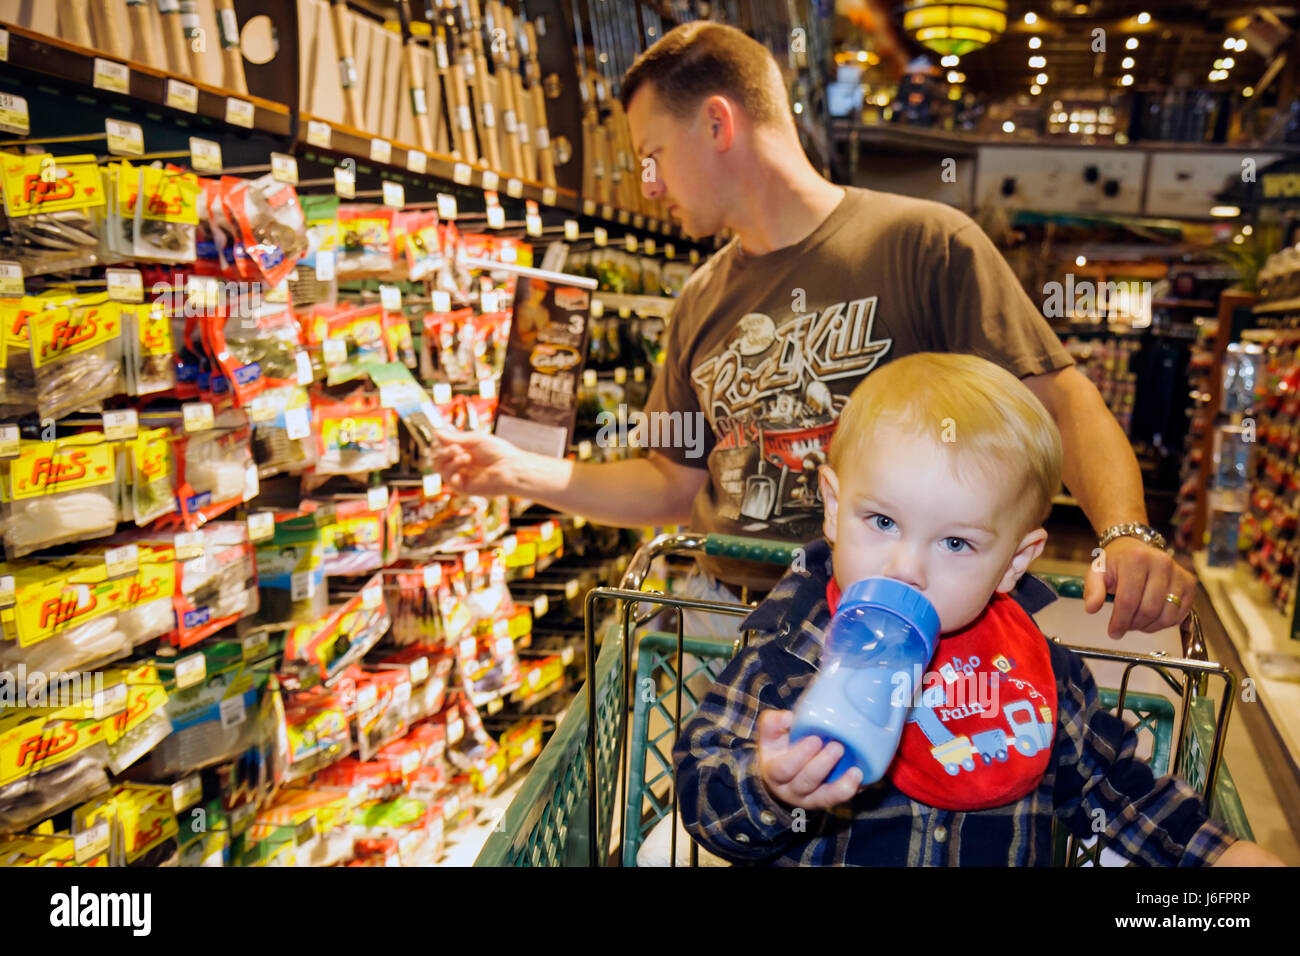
{"points": [[1245, 853], [795, 774]]}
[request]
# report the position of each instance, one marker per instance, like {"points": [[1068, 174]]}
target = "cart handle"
{"points": [[750, 549]]}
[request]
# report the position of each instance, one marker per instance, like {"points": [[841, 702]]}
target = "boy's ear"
{"points": [[1030, 547], [830, 487]]}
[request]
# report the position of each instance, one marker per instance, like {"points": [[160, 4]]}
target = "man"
{"points": [[820, 285]]}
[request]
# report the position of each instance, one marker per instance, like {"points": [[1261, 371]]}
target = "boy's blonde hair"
{"points": [[969, 405]]}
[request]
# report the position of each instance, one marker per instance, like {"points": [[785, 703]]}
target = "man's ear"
{"points": [[1031, 546], [830, 486], [720, 120]]}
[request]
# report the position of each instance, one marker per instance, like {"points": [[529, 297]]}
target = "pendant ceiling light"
{"points": [[955, 26]]}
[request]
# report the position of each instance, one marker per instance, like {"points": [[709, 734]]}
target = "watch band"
{"points": [[1144, 533]]}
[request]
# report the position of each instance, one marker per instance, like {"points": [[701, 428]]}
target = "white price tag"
{"points": [[571, 230], [111, 700], [432, 575], [455, 730], [125, 285], [239, 112], [255, 645], [487, 388], [401, 694], [205, 155], [491, 771], [638, 221], [190, 671], [123, 425], [489, 301], [589, 207], [446, 206], [419, 669], [197, 416], [416, 162], [394, 195], [296, 425], [182, 96], [187, 792], [490, 180], [571, 589], [638, 373], [232, 712], [302, 585], [189, 544], [284, 169], [606, 212], [14, 117], [579, 522], [589, 377], [259, 411], [345, 182], [533, 224], [514, 188], [122, 561], [4, 45], [432, 485], [600, 236], [261, 525], [372, 595], [496, 217], [325, 265], [7, 590], [124, 139], [462, 173], [504, 646], [377, 498], [630, 243], [114, 77], [303, 361], [381, 151], [390, 297], [335, 351], [649, 247], [566, 656], [548, 196], [367, 697], [470, 561], [540, 605], [669, 250], [534, 676], [441, 393], [89, 844], [528, 747], [620, 375], [695, 257], [441, 301], [251, 482], [584, 450], [468, 648], [320, 134]]}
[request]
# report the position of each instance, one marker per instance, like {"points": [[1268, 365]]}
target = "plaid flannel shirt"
{"points": [[1093, 774]]}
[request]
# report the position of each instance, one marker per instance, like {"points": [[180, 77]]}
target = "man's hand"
{"points": [[1245, 853], [1141, 578], [476, 463], [795, 775]]}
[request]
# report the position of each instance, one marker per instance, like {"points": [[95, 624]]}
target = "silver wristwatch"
{"points": [[1144, 533]]}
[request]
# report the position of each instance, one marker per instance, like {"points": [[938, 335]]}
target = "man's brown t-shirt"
{"points": [[768, 349]]}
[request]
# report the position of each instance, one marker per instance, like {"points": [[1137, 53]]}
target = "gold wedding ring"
{"points": [[1174, 599]]}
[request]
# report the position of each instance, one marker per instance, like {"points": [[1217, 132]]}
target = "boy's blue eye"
{"points": [[882, 522], [956, 545]]}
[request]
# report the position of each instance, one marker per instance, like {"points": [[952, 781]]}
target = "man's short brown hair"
{"points": [[701, 59]]}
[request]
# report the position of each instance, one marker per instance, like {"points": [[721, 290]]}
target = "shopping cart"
{"points": [[564, 813]]}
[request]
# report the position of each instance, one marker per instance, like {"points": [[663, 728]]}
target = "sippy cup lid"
{"points": [[899, 599]]}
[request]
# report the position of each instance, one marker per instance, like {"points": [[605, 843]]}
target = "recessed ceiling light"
{"points": [[1228, 63], [1240, 46], [954, 76], [1230, 43], [1126, 79], [1248, 92], [1224, 212], [1132, 43], [1247, 230], [1080, 9], [1218, 64], [1089, 129], [1035, 89], [1080, 261], [1031, 18], [1041, 79], [1035, 42], [1008, 127], [1128, 63], [1238, 238], [1144, 18], [1037, 62], [1074, 127]]}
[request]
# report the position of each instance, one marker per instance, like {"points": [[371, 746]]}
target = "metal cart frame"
{"points": [[569, 795]]}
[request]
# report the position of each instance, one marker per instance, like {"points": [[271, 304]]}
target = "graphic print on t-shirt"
{"points": [[768, 395]]}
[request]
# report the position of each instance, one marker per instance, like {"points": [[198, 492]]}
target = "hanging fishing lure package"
{"points": [[365, 247], [258, 345], [149, 352], [218, 583], [60, 491], [214, 469], [19, 376], [271, 225], [52, 209], [53, 788], [350, 337], [282, 440], [421, 244], [359, 540], [165, 215], [77, 355], [290, 576], [153, 493], [354, 435]]}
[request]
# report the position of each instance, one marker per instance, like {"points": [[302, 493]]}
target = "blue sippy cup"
{"points": [[878, 644]]}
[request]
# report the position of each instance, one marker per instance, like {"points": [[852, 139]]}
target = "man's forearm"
{"points": [[1099, 466], [621, 494]]}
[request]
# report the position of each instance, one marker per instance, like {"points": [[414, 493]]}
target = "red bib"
{"points": [[983, 718]]}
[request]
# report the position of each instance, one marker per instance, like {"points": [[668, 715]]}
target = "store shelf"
{"points": [[1256, 628], [71, 63], [1284, 305], [660, 306], [1182, 304]]}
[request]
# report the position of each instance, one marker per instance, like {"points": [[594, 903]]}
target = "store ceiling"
{"points": [[1178, 46]]}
